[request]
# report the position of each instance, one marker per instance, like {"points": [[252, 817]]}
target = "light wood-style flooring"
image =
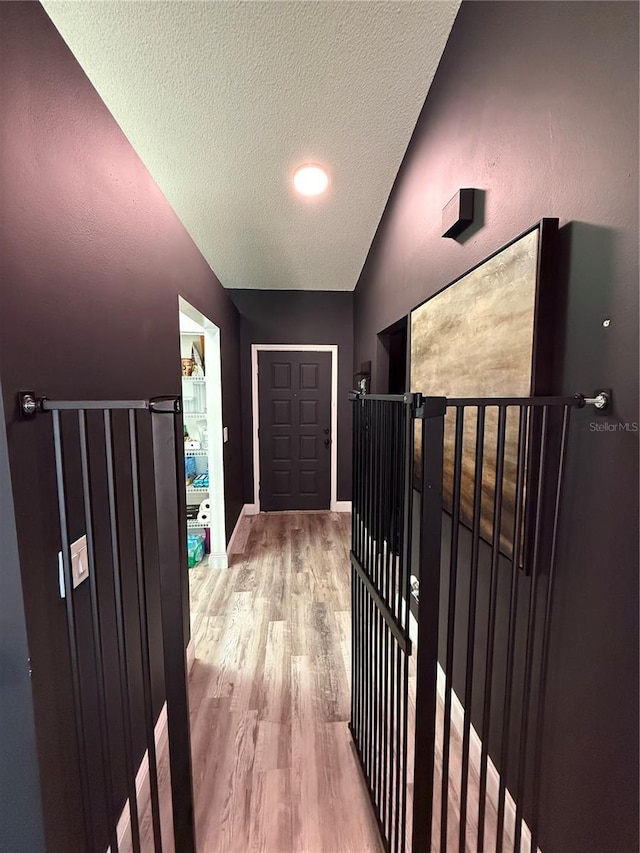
{"points": [[274, 768]]}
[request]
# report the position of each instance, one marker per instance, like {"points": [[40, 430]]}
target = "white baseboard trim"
{"points": [[233, 536], [218, 561], [475, 753], [142, 776], [123, 829], [191, 655], [252, 509]]}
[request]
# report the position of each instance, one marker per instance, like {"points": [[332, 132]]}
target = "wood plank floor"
{"points": [[274, 769], [273, 764]]}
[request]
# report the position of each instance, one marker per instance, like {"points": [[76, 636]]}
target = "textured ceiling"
{"points": [[222, 100]]}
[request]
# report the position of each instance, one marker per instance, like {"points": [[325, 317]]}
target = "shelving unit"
{"points": [[202, 418], [194, 416]]}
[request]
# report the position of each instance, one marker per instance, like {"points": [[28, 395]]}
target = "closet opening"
{"points": [[204, 436]]}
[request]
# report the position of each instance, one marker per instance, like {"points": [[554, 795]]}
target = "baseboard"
{"points": [[475, 754], [191, 655], [253, 509], [142, 776], [234, 535], [218, 561]]}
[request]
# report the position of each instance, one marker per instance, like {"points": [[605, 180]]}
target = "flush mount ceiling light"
{"points": [[310, 180]]}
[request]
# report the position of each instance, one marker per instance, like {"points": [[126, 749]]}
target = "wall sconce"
{"points": [[458, 213]]}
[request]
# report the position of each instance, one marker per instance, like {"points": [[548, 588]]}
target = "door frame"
{"points": [[218, 542], [334, 505]]}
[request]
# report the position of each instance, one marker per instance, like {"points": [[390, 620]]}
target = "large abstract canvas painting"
{"points": [[476, 338]]}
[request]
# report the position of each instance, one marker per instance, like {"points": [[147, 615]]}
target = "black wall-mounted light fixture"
{"points": [[458, 213]]}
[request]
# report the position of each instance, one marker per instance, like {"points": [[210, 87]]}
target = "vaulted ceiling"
{"points": [[223, 100]]}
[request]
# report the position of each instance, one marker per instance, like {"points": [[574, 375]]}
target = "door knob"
{"points": [[327, 442], [326, 432]]}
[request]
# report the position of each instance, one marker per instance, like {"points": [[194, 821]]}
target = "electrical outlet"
{"points": [[225, 434], [79, 564]]}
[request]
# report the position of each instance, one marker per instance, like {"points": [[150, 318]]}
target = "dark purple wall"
{"points": [[299, 317], [92, 259], [536, 104]]}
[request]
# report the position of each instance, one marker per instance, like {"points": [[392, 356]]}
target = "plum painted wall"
{"points": [[536, 104], [92, 260], [298, 317]]}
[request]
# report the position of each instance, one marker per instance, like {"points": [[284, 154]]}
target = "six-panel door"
{"points": [[294, 403]]}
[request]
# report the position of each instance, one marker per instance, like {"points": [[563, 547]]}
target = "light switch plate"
{"points": [[79, 564]]}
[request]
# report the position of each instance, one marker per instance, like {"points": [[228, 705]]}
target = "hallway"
{"points": [[274, 768]]}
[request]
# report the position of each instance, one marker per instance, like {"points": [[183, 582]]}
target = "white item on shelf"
{"points": [[204, 513]]}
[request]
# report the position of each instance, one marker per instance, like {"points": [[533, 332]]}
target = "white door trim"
{"points": [[213, 377], [331, 348]]}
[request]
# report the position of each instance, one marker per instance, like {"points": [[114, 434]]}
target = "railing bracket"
{"points": [[29, 405]]}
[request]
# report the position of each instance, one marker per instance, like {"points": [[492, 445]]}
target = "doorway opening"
{"points": [[204, 436], [392, 358]]}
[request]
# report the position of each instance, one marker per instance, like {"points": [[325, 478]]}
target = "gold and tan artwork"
{"points": [[475, 339]]}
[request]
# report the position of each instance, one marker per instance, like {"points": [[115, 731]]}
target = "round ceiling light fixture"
{"points": [[310, 180]]}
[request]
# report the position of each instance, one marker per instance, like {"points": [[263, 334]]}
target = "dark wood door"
{"points": [[294, 430]]}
